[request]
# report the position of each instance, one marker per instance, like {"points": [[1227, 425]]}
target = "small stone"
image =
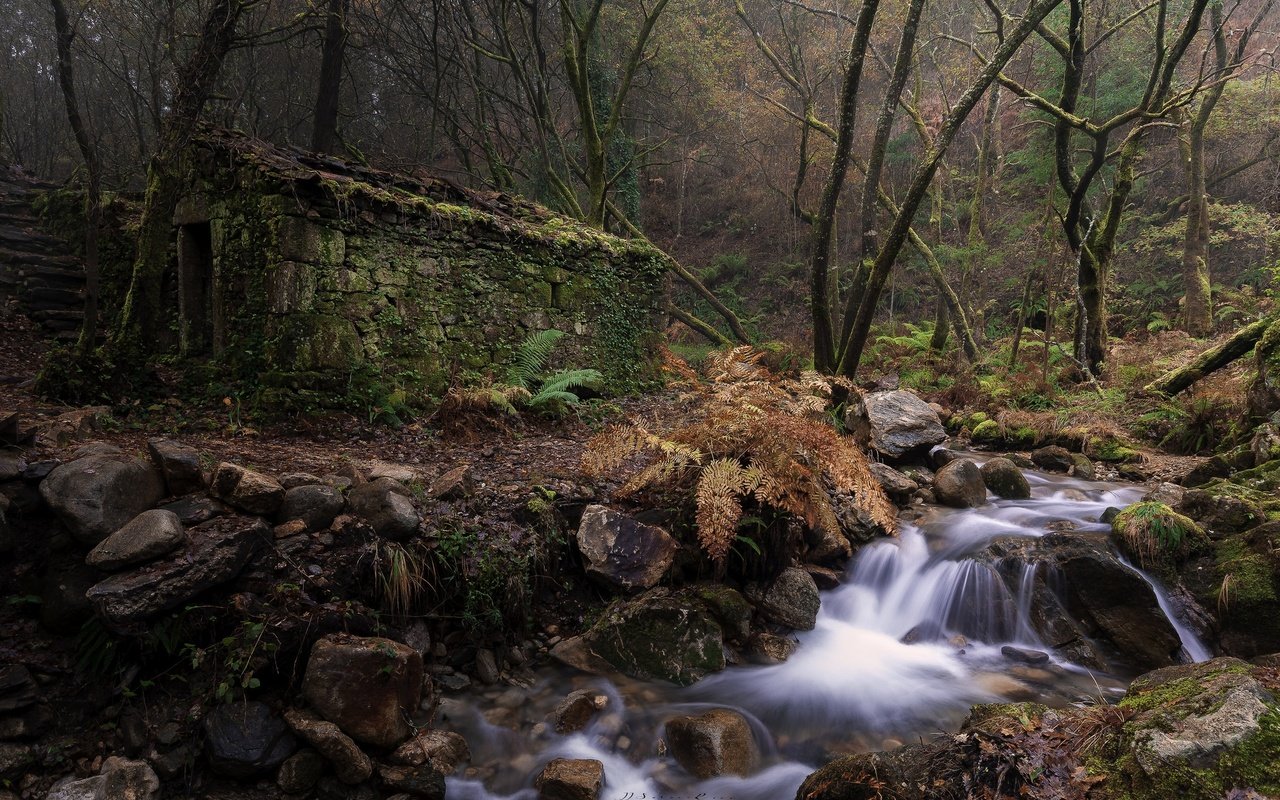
{"points": [[291, 528], [249, 491], [576, 710], [300, 772], [570, 779], [443, 749], [487, 667], [455, 484], [1025, 656], [349, 762], [246, 740], [315, 505], [717, 742], [292, 480]]}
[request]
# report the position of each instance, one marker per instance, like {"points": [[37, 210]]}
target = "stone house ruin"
{"points": [[305, 272]]}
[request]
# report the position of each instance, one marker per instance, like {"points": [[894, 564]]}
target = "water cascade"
{"points": [[901, 649]]}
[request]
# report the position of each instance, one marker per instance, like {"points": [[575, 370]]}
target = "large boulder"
{"points": [[1053, 458], [216, 552], [179, 464], [385, 505], [1220, 514], [1004, 479], [960, 484], [349, 762], [368, 687], [97, 494], [249, 491], [1157, 538], [147, 536], [1240, 577], [246, 740], [790, 600], [1081, 590], [895, 424], [316, 505], [660, 635], [716, 742], [623, 553]]}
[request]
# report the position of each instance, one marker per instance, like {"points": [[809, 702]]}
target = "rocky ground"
{"points": [[200, 606]]}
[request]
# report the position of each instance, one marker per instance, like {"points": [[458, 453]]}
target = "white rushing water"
{"points": [[854, 682]]}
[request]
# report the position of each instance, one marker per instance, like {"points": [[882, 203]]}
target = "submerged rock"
{"points": [[1005, 480]]}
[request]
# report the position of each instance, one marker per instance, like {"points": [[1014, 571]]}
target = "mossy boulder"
{"points": [[1264, 389], [1240, 577], [1113, 451], [986, 432], [1004, 478], [1157, 537]]}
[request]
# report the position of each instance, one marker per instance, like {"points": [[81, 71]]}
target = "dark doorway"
{"points": [[195, 289]]}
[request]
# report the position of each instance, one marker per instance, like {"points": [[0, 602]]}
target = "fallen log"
{"points": [[1210, 361]]}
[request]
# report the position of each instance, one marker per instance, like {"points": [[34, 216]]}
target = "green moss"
{"points": [[986, 432], [1158, 537], [1170, 694], [1255, 762], [1114, 451]]}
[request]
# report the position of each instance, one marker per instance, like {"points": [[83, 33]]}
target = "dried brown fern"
{"points": [[746, 435]]}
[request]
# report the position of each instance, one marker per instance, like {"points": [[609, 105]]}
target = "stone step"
{"points": [[38, 259], [57, 278], [64, 298]]}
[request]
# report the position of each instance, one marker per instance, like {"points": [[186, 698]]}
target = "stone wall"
{"points": [[318, 275]]}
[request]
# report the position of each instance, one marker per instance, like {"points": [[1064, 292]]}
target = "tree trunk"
{"points": [[93, 175], [1209, 361], [941, 326], [324, 133], [138, 328]]}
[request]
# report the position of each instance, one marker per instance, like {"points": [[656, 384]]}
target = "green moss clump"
{"points": [[1114, 451], [986, 432], [1158, 537]]}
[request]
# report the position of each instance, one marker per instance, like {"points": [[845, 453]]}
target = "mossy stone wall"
{"points": [[319, 285]]}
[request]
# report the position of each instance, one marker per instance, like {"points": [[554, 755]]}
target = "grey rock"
{"points": [[292, 480], [623, 553], [791, 600], [1005, 480], [97, 494], [386, 506], [179, 464], [246, 740], [445, 750], [717, 742], [249, 491], [895, 423], [315, 504], [898, 486], [960, 484], [215, 553], [147, 536], [576, 710]]}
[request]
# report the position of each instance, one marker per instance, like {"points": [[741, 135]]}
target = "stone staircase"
{"points": [[38, 273]]}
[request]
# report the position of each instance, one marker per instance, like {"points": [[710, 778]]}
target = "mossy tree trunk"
{"points": [[138, 327]]}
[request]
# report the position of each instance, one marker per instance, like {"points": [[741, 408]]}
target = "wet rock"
{"points": [[772, 648], [421, 781], [119, 779], [960, 485], [717, 742], [487, 667], [621, 552], [300, 772], [315, 505], [147, 536], [367, 686], [660, 635], [246, 740], [215, 553], [791, 600], [898, 486], [455, 484], [386, 506], [195, 509], [1053, 458], [179, 464], [1005, 480], [1221, 515], [97, 494], [247, 490], [1082, 467], [895, 423], [349, 762], [1023, 655], [570, 779], [444, 750], [576, 710]]}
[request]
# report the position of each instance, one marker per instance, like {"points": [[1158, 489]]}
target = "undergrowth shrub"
{"points": [[747, 437]]}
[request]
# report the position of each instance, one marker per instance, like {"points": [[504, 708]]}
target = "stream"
{"points": [[852, 685]]}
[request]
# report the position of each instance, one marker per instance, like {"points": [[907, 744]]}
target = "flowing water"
{"points": [[853, 683]]}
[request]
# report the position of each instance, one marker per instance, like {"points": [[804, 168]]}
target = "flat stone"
{"points": [[570, 779], [350, 763], [147, 536]]}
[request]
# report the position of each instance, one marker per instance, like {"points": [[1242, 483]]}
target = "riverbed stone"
{"points": [[349, 762], [367, 686], [95, 495], [1024, 655], [316, 505], [216, 552], [960, 484], [300, 772], [716, 742], [1004, 479], [622, 552], [384, 503], [246, 740], [570, 779], [898, 486], [1053, 458], [424, 781], [147, 536], [577, 709], [790, 600], [247, 490], [895, 423], [445, 750]]}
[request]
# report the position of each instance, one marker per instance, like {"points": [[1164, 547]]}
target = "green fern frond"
{"points": [[572, 379], [530, 358]]}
